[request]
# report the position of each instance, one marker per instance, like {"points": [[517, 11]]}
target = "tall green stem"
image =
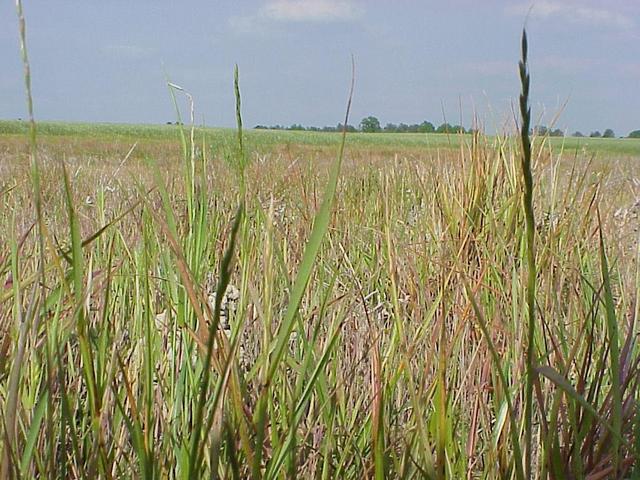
{"points": [[525, 113]]}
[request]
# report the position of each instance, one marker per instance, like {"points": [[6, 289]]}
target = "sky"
{"points": [[109, 61]]}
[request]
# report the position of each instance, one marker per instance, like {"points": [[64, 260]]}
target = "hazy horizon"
{"points": [[95, 62]]}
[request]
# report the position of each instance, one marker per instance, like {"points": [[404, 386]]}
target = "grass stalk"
{"points": [[10, 418], [530, 228]]}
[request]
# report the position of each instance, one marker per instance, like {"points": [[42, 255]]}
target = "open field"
{"points": [[398, 349], [264, 140]]}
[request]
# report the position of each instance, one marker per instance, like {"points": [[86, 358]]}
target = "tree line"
{"points": [[371, 124], [542, 130], [556, 132]]}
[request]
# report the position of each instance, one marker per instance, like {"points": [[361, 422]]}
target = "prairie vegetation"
{"points": [[381, 326], [98, 138]]}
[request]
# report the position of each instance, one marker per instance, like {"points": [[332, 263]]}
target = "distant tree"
{"points": [[577, 134], [608, 133], [349, 128], [426, 127], [540, 130], [445, 128], [448, 128], [556, 133], [370, 125], [634, 134], [595, 134]]}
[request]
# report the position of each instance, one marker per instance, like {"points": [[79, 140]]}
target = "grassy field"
{"points": [[264, 140], [386, 360], [180, 303]]}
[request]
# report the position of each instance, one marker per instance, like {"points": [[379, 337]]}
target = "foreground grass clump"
{"points": [[386, 366]]}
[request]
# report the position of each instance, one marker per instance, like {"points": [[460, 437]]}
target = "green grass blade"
{"points": [[34, 430], [513, 430], [223, 282], [564, 384], [320, 227], [614, 349]]}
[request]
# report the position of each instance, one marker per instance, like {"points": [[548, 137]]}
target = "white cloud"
{"points": [[310, 10], [574, 12], [296, 11]]}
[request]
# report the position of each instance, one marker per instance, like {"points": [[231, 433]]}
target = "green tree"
{"points": [[595, 134], [445, 128], [370, 125], [634, 134], [448, 128], [426, 127], [608, 133]]}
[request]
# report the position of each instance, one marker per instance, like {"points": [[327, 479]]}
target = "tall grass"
{"points": [[530, 229], [393, 318]]}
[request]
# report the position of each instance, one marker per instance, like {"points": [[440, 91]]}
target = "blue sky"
{"points": [[106, 60]]}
